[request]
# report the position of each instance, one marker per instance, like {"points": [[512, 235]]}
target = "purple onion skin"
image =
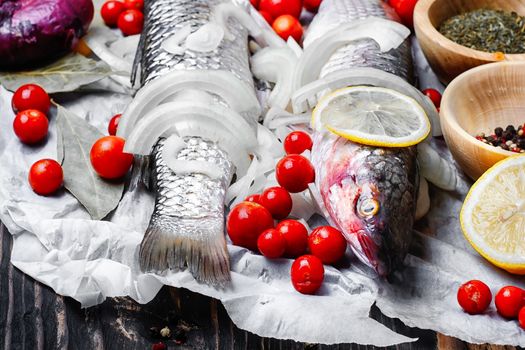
{"points": [[34, 32]]}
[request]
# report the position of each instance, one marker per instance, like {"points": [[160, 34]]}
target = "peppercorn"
{"points": [[498, 131], [154, 332]]}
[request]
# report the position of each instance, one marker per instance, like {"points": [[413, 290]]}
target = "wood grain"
{"points": [[448, 59], [32, 317], [479, 101]]}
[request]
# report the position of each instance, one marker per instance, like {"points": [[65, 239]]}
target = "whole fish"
{"points": [[187, 226], [369, 192]]}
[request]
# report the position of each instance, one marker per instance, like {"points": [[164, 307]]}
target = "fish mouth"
{"points": [[368, 251]]}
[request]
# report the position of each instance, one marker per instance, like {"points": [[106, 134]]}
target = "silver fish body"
{"points": [[187, 226], [369, 192]]}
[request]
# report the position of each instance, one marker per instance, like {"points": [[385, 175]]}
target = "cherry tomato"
{"points": [[277, 8], [278, 202], [296, 237], [509, 301], [46, 176], [405, 10], [297, 142], [307, 274], [434, 95], [521, 318], [111, 11], [271, 244], [288, 26], [108, 158], [474, 297], [253, 198], [246, 221], [131, 22], [31, 126], [294, 172], [134, 5], [113, 124], [267, 16], [31, 96], [327, 243], [312, 5], [255, 3]]}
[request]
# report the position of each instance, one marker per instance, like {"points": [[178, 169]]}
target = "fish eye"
{"points": [[368, 207]]}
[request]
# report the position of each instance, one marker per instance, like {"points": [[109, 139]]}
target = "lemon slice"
{"points": [[372, 116], [493, 215]]}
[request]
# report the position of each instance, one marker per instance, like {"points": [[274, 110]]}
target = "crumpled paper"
{"points": [[56, 243]]}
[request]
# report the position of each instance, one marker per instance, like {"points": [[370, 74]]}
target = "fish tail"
{"points": [[197, 244]]}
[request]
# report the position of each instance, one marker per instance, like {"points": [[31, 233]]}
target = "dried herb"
{"points": [[487, 30]]}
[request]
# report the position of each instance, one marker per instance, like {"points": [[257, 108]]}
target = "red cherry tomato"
{"points": [[405, 10], [131, 22], [307, 274], [271, 244], [297, 142], [134, 5], [113, 124], [277, 8], [108, 158], [278, 202], [509, 301], [267, 16], [296, 237], [31, 126], [312, 5], [327, 243], [474, 297], [111, 11], [46, 176], [294, 172], [253, 198], [521, 318], [31, 96], [288, 26], [434, 95], [246, 221], [255, 3]]}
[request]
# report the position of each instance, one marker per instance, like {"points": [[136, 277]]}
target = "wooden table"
{"points": [[33, 317]]}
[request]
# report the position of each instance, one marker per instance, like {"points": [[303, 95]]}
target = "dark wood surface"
{"points": [[32, 316]]}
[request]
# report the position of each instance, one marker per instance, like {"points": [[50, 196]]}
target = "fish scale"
{"points": [[354, 178], [186, 229]]}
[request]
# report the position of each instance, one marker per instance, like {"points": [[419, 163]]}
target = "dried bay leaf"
{"points": [[76, 136], [66, 74]]}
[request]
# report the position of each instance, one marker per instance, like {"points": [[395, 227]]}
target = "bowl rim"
{"points": [[447, 114], [421, 14]]}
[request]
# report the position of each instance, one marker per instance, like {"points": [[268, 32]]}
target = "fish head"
{"points": [[371, 197]]}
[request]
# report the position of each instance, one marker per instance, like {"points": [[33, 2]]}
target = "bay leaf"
{"points": [[66, 74], [97, 195]]}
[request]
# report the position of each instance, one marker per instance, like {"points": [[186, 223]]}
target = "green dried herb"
{"points": [[487, 30]]}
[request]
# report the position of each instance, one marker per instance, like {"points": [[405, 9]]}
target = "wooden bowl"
{"points": [[480, 100], [448, 59]]}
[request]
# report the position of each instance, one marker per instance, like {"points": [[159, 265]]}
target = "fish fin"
{"points": [[177, 243]]}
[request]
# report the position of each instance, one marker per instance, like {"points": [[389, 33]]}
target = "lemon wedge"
{"points": [[372, 116], [493, 215]]}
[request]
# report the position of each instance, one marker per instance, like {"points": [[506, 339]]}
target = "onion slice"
{"points": [[172, 44], [207, 38], [185, 167], [276, 66], [277, 117], [224, 84], [172, 146], [387, 34], [307, 97]]}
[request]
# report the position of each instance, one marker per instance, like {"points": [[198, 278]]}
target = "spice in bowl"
{"points": [[511, 139], [487, 30]]}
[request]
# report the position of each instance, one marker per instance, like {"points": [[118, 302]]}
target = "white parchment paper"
{"points": [[56, 243]]}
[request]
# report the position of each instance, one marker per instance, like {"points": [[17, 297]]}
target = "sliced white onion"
{"points": [[236, 94], [207, 38], [303, 207], [173, 43], [264, 35], [295, 47], [96, 40], [276, 65], [172, 146], [435, 168], [307, 96], [268, 141], [185, 167], [242, 185], [387, 34], [277, 117]]}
